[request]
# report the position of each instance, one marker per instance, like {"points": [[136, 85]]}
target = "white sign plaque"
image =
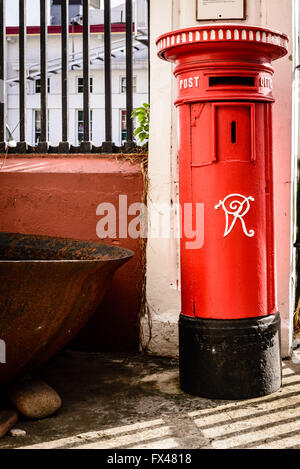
{"points": [[220, 9]]}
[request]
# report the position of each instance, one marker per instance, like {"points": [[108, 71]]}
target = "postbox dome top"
{"points": [[262, 42]]}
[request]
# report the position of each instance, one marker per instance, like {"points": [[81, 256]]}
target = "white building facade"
{"points": [[97, 97]]}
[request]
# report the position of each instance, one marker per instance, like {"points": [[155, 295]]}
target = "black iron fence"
{"points": [[86, 146]]}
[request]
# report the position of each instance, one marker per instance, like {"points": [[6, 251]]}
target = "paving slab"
{"points": [[121, 401]]}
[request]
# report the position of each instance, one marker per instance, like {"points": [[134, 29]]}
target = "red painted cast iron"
{"points": [[224, 102]]}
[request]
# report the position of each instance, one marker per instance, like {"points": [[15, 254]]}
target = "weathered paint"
{"points": [[163, 291], [226, 167], [229, 328], [58, 197]]}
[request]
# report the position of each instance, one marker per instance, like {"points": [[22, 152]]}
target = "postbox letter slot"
{"points": [[231, 81], [233, 132]]}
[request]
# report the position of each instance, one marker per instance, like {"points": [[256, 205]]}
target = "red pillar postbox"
{"points": [[229, 327]]}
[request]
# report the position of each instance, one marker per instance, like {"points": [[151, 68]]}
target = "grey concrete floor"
{"points": [[116, 401]]}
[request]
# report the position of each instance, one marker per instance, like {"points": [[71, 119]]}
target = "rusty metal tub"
{"points": [[49, 288]]}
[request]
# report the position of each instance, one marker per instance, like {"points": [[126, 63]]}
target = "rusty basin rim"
{"points": [[23, 248]]}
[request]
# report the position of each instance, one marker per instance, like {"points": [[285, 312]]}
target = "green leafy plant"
{"points": [[142, 114]]}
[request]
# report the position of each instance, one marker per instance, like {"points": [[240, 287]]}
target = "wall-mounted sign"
{"points": [[220, 9]]}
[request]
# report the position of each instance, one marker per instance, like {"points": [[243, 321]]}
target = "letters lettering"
{"points": [[190, 82], [236, 206]]}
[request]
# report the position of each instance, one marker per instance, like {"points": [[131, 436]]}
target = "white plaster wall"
{"points": [[163, 278], [32, 12]]}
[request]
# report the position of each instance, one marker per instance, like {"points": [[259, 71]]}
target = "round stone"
{"points": [[34, 398]]}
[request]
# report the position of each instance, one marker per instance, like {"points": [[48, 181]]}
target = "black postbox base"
{"points": [[230, 359]]}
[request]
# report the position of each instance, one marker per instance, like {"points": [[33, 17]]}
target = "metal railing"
{"points": [[87, 56]]}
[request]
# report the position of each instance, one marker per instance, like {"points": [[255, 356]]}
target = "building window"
{"points": [[80, 85], [72, 2], [80, 127], [124, 127], [123, 84], [37, 126], [38, 85]]}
